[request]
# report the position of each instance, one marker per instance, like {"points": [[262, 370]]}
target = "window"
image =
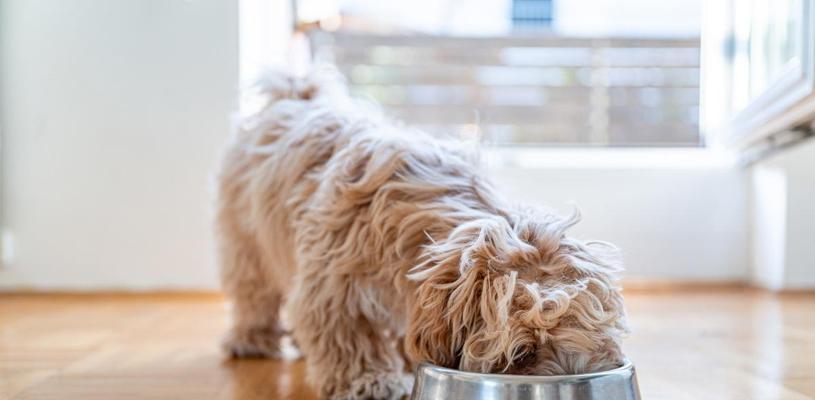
{"points": [[760, 73], [581, 81], [531, 13]]}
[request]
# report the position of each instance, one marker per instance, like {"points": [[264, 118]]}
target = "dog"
{"points": [[385, 247]]}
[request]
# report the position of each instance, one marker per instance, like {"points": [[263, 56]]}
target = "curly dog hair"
{"points": [[385, 247]]}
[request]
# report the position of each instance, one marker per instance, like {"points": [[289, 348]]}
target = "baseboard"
{"points": [[648, 285], [119, 294]]}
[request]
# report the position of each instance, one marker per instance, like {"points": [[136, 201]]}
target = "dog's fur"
{"points": [[373, 234]]}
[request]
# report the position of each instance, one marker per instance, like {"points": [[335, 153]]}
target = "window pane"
{"points": [[544, 79]]}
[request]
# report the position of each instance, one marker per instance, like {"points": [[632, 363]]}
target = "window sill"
{"points": [[521, 157]]}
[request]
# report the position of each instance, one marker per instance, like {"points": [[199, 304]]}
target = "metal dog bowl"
{"points": [[437, 383]]}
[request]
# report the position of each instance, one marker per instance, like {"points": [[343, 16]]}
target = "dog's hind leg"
{"points": [[348, 356], [255, 302]]}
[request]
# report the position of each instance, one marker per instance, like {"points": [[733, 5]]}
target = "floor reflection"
{"points": [[268, 379]]}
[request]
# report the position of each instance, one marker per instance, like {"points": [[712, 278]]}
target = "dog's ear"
{"points": [[464, 290], [446, 306], [462, 321], [429, 337], [446, 311]]}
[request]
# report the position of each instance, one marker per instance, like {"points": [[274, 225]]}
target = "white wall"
{"points": [[783, 210], [265, 36], [672, 222], [112, 114]]}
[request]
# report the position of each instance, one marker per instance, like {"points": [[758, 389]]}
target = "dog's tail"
{"points": [[276, 85]]}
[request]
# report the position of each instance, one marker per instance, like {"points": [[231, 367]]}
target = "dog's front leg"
{"points": [[348, 357]]}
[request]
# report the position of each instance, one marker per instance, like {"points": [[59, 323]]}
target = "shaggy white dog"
{"points": [[372, 237]]}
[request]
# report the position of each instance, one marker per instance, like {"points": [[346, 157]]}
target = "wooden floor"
{"points": [[691, 344]]}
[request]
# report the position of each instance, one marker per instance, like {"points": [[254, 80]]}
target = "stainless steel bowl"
{"points": [[437, 383]]}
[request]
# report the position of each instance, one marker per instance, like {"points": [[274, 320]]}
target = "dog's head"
{"points": [[515, 295]]}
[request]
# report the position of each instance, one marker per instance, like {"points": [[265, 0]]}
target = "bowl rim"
{"points": [[624, 370]]}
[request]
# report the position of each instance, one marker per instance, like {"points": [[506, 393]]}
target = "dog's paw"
{"points": [[254, 343], [377, 386]]}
